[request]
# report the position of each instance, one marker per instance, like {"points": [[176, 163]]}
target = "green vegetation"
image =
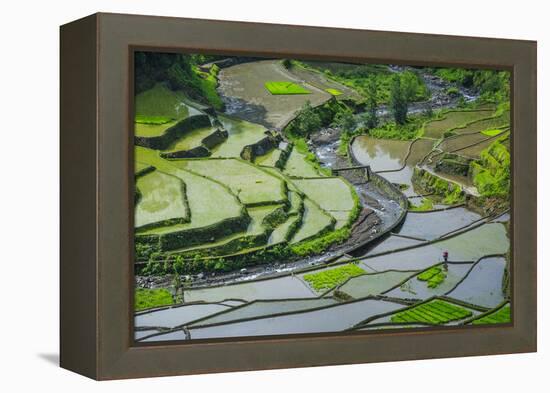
{"points": [[181, 72], [450, 193], [334, 92], [346, 122], [425, 205], [491, 173], [493, 86], [149, 298], [434, 276], [356, 76], [153, 120], [310, 119], [285, 88], [255, 235], [371, 103], [330, 278], [493, 132], [393, 130], [319, 244], [500, 315], [434, 312]]}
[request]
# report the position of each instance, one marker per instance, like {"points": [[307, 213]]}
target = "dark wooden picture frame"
{"points": [[97, 193]]}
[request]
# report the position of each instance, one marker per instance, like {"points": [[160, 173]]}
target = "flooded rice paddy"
{"points": [[278, 301]]}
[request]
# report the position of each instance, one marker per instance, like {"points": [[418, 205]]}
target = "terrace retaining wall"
{"points": [[171, 134]]}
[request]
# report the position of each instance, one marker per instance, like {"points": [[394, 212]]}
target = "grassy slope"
{"points": [[162, 198]]}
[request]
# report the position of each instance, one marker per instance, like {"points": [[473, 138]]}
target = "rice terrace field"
{"points": [[278, 196]]}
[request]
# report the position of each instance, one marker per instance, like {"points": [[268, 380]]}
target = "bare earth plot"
{"points": [[243, 85]]}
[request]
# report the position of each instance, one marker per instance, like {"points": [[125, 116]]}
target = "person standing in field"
{"points": [[445, 258]]}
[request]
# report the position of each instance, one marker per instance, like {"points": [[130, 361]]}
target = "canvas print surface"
{"points": [[284, 196]]}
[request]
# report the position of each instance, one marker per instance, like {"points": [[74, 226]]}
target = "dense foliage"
{"points": [[493, 86], [181, 72], [149, 298], [360, 77], [491, 173]]}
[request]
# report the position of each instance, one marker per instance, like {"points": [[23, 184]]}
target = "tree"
{"points": [[398, 100], [345, 121], [307, 121], [371, 88]]}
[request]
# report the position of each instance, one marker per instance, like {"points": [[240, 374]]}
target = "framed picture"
{"points": [[241, 196]]}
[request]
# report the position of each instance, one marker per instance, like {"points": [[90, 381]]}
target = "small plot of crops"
{"points": [[298, 165], [433, 277], [241, 133], [492, 132], [285, 88], [330, 278], [436, 281], [334, 92], [249, 183], [163, 198], [149, 298], [315, 221], [501, 315], [434, 312], [436, 128]]}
